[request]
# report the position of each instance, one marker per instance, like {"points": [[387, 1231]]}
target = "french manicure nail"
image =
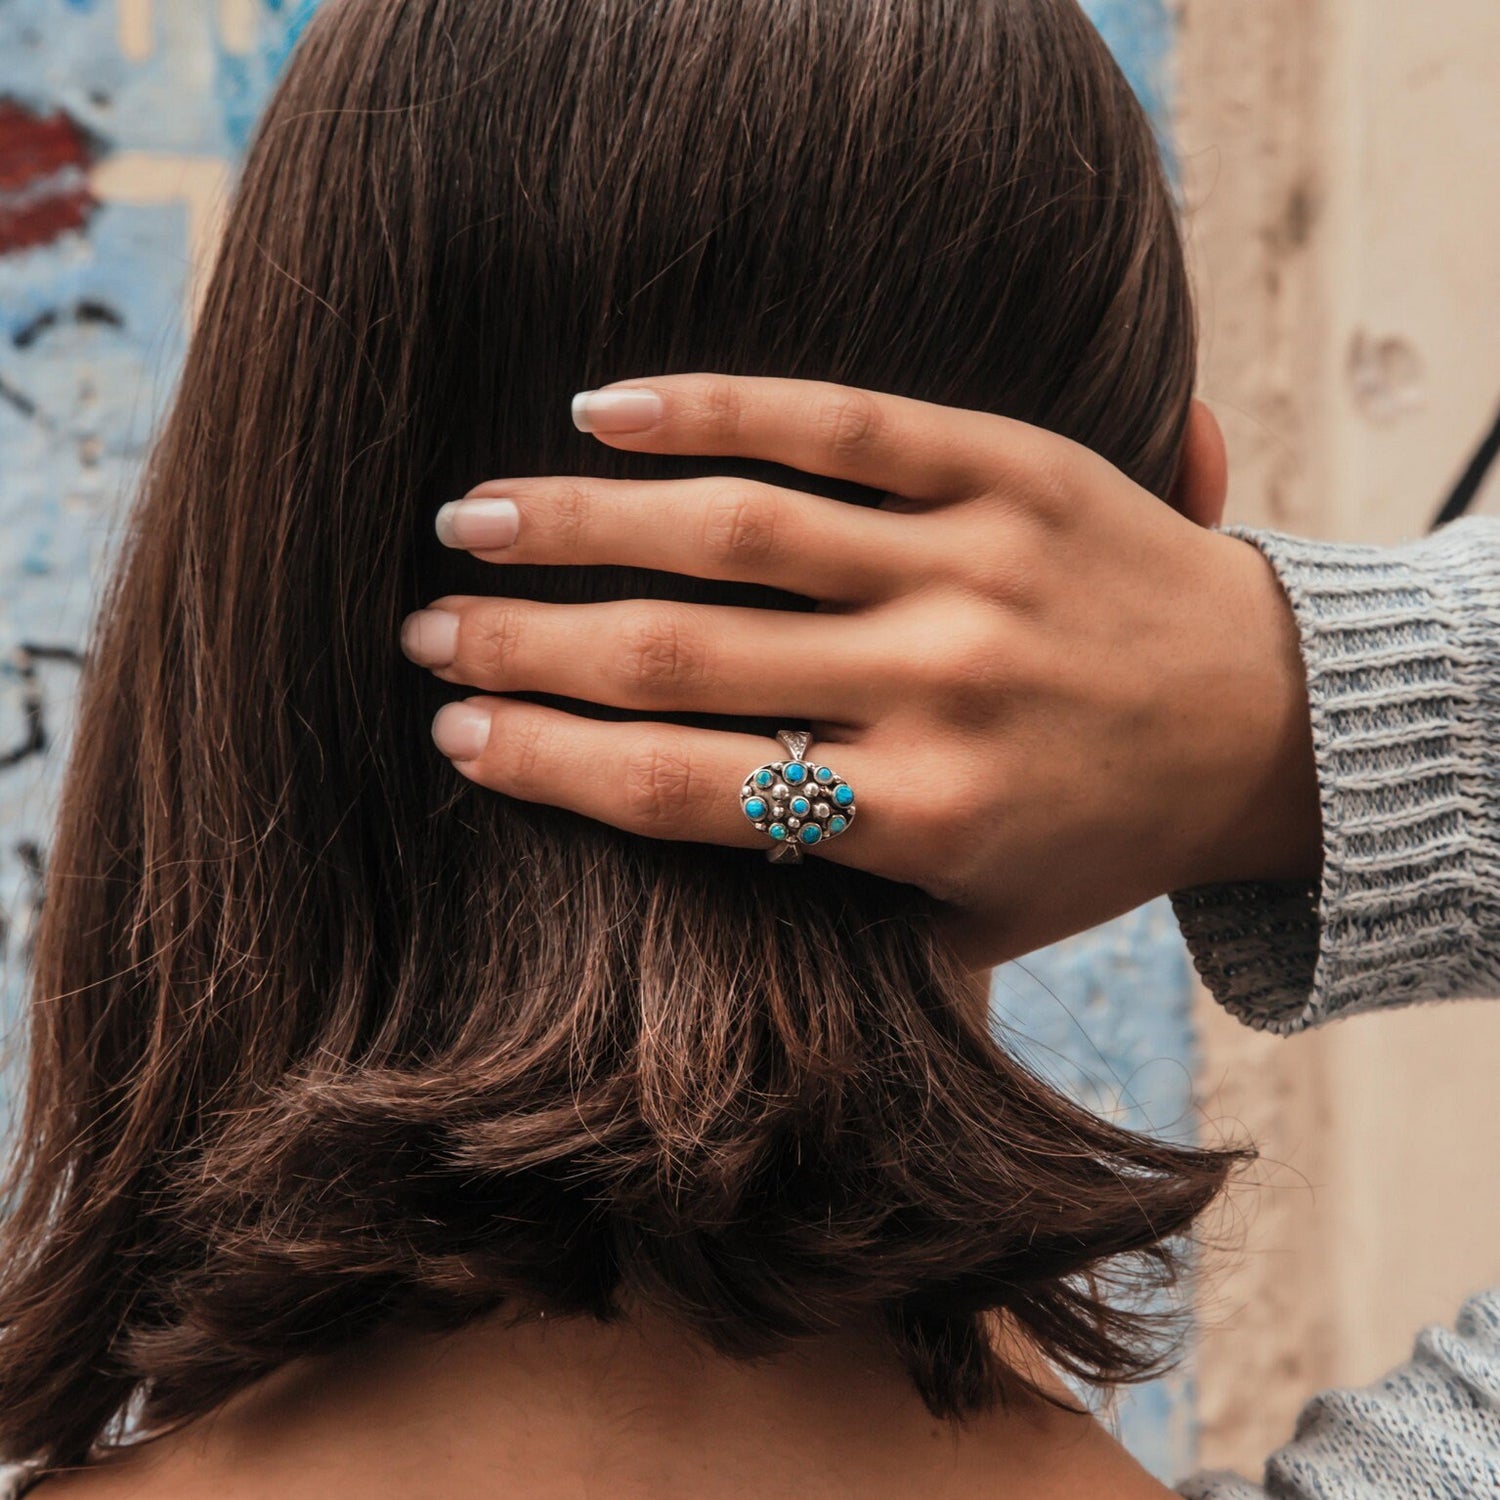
{"points": [[461, 731], [430, 637], [624, 409], [478, 524]]}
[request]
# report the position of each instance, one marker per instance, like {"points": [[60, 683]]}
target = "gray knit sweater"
{"points": [[1402, 648]]}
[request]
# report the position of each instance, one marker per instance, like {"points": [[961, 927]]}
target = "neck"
{"points": [[567, 1408]]}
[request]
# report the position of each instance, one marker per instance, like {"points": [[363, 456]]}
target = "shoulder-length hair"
{"points": [[324, 1036]]}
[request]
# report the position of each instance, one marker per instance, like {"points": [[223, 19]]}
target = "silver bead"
{"points": [[780, 792], [794, 822], [822, 810], [778, 810]]}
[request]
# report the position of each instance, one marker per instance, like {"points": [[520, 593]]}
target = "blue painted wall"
{"points": [[91, 331], [92, 325]]}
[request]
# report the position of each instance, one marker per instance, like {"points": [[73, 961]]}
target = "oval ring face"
{"points": [[798, 801]]}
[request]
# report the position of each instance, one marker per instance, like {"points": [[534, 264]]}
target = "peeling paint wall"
{"points": [[118, 127], [120, 121], [1339, 163]]}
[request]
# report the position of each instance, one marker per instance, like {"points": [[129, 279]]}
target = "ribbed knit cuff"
{"points": [[1402, 651]]}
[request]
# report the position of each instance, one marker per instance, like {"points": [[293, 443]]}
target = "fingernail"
{"points": [[625, 409], [461, 731], [478, 524], [430, 637]]}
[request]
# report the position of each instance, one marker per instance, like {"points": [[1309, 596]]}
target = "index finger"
{"points": [[916, 449]]}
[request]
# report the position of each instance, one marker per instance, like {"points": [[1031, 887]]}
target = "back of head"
{"points": [[325, 1036]]}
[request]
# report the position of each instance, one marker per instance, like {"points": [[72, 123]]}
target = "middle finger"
{"points": [[733, 529], [655, 655]]}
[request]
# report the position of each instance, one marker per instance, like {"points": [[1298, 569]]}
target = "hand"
{"points": [[1054, 696]]}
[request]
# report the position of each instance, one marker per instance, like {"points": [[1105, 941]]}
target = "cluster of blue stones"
{"points": [[793, 799]]}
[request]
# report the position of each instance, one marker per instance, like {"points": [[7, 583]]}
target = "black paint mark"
{"points": [[28, 333], [89, 311], [19, 400], [33, 862], [24, 663], [30, 856], [86, 311]]}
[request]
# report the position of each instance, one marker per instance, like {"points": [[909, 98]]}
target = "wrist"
{"points": [[1267, 815]]}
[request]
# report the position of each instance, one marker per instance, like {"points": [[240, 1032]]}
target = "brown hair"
{"points": [[321, 1034]]}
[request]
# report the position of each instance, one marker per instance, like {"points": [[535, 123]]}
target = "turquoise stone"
{"points": [[811, 834], [801, 806], [844, 796], [795, 773], [823, 774], [755, 808], [764, 778], [777, 830], [836, 824]]}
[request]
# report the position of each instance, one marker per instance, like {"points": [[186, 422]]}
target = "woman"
{"points": [[388, 1137]]}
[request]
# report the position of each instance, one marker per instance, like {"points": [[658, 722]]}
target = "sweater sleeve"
{"points": [[1402, 651], [1430, 1428]]}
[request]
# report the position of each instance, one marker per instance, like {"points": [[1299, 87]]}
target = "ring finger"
{"points": [[659, 780], [653, 655]]}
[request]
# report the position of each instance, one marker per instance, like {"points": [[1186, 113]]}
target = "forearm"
{"points": [[1402, 652]]}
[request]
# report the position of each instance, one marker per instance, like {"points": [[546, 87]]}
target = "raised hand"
{"points": [[1055, 695]]}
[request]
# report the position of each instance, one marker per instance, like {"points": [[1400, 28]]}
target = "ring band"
{"points": [[796, 802]]}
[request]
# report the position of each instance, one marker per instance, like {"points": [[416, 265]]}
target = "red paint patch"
{"points": [[44, 191]]}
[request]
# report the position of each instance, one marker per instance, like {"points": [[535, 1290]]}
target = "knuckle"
{"points": [[1007, 575], [1045, 478], [489, 638], [967, 681], [660, 788], [656, 650], [519, 754], [719, 409], [1055, 482], [990, 551], [945, 843], [740, 527], [922, 859], [851, 423], [569, 507], [949, 811]]}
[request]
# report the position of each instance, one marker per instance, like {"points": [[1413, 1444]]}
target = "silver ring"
{"points": [[797, 802]]}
